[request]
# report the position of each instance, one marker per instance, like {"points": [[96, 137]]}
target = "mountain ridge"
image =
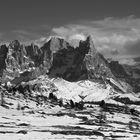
{"points": [[56, 58]]}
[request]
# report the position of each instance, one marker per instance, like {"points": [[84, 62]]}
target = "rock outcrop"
{"points": [[96, 64], [118, 70], [3, 56]]}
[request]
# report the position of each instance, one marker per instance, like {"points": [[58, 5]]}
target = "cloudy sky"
{"points": [[113, 24]]}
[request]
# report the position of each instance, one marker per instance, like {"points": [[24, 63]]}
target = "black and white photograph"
{"points": [[69, 69]]}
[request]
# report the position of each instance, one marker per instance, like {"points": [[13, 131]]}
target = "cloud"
{"points": [[128, 61], [1, 36], [28, 34], [24, 36], [114, 37], [74, 39], [133, 48], [114, 52], [23, 32], [77, 37]]}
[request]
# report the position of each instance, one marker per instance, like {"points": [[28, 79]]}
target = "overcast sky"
{"points": [[113, 24]]}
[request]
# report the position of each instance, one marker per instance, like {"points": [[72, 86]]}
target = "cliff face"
{"points": [[68, 62], [16, 59], [118, 70], [96, 64], [57, 58], [79, 63], [3, 55]]}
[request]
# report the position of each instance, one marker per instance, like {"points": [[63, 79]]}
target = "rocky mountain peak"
{"points": [[57, 43], [89, 44], [83, 62], [89, 41], [15, 45]]}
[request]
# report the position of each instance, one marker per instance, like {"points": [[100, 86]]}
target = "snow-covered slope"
{"points": [[24, 118], [82, 90]]}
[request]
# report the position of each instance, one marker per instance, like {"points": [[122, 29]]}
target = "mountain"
{"points": [[58, 58]]}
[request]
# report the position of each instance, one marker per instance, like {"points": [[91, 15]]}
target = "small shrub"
{"points": [[72, 105], [132, 111], [102, 117], [79, 105], [21, 89], [18, 106], [60, 103], [103, 105], [37, 100], [2, 99], [44, 99], [53, 97]]}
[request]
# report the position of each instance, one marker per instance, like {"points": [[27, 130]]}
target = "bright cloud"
{"points": [[77, 37], [113, 37], [128, 61]]}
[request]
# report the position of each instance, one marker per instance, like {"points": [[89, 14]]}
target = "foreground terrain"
{"points": [[22, 119]]}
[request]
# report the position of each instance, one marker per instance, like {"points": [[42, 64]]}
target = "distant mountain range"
{"points": [[57, 58]]}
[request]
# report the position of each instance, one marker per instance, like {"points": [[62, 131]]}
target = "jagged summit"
{"points": [[89, 40], [14, 43], [89, 44], [78, 63], [57, 43]]}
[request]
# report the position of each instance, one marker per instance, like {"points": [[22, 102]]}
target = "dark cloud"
{"points": [[133, 48], [114, 52], [22, 13], [137, 59]]}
